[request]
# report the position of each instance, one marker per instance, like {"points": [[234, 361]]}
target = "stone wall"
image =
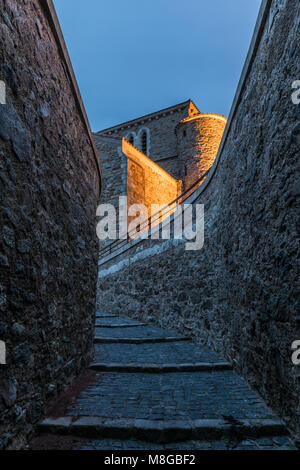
{"points": [[147, 183], [49, 187], [170, 165], [240, 293], [113, 166], [114, 173], [198, 141]]}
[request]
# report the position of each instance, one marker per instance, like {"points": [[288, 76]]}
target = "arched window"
{"points": [[143, 139], [144, 146], [130, 138]]}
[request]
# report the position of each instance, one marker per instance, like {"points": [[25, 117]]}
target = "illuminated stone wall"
{"points": [[198, 140], [147, 183]]}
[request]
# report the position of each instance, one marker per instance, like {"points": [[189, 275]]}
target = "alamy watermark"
{"points": [[296, 353], [135, 221], [296, 94], [2, 353], [2, 92]]}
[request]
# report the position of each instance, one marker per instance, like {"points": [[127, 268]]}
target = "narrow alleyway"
{"points": [[154, 389]]}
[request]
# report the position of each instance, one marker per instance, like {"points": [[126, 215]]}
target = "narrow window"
{"points": [[131, 139], [144, 142]]}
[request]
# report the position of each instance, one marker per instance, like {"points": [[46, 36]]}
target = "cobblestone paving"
{"points": [[167, 397], [160, 353], [194, 395], [134, 332]]}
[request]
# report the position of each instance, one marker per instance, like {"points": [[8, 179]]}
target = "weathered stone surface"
{"points": [[198, 140], [8, 391], [12, 129], [18, 329], [4, 260], [48, 250], [8, 236]]}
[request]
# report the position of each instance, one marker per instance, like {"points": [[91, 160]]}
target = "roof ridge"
{"points": [[146, 116]]}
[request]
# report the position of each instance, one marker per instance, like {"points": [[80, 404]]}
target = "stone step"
{"points": [[161, 368], [163, 431], [138, 331], [166, 339], [69, 442], [157, 353], [99, 315], [122, 325]]}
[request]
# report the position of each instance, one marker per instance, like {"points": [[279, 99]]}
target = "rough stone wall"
{"points": [[114, 173], [49, 186], [198, 141], [240, 293], [113, 166], [147, 183], [171, 166]]}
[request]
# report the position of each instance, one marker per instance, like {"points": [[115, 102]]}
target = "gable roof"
{"points": [[147, 117]]}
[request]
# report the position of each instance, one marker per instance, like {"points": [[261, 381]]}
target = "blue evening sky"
{"points": [[134, 57]]}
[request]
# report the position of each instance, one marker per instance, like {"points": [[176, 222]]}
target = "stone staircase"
{"points": [[153, 389]]}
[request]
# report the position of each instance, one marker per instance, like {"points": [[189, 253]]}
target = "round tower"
{"points": [[198, 140]]}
